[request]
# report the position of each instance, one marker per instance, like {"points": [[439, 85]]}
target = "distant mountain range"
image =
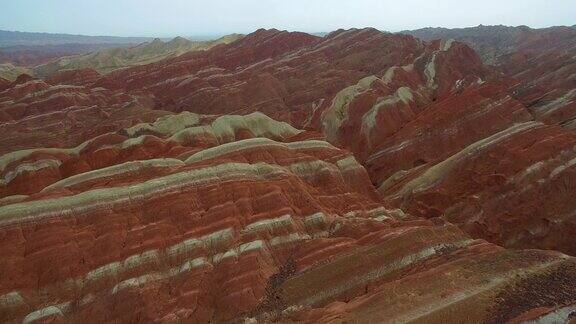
{"points": [[15, 38], [107, 60], [31, 55], [494, 42], [43, 54]]}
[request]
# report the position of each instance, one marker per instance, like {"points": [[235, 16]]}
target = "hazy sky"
{"points": [[214, 17]]}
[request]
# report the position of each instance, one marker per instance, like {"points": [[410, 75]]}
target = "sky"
{"points": [[168, 18]]}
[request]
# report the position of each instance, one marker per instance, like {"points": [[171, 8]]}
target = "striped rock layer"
{"points": [[542, 61], [440, 137], [387, 188], [274, 225]]}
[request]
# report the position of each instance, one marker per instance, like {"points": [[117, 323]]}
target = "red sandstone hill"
{"points": [[543, 61], [358, 177], [279, 73], [375, 94]]}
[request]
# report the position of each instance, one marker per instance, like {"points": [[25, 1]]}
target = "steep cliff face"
{"points": [[377, 193]]}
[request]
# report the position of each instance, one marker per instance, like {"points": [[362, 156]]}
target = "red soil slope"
{"points": [[163, 193]]}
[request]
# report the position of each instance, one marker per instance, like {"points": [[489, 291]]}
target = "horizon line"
{"points": [[218, 34]]}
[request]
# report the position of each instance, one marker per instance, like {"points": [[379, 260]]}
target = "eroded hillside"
{"points": [[357, 177]]}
